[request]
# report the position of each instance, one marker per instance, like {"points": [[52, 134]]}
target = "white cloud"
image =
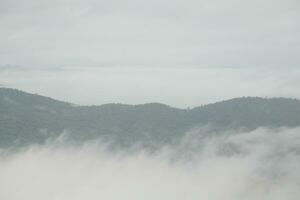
{"points": [[265, 169]]}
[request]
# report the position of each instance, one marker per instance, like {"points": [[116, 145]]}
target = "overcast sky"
{"points": [[202, 33], [180, 52]]}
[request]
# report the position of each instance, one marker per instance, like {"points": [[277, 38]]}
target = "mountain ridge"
{"points": [[27, 118], [13, 90]]}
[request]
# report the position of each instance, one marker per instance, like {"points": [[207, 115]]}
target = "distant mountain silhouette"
{"points": [[30, 118]]}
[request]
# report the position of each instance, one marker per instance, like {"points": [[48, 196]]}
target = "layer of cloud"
{"points": [[205, 33], [264, 166]]}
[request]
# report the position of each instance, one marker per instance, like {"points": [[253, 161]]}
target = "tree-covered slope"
{"points": [[26, 117], [249, 112], [29, 118]]}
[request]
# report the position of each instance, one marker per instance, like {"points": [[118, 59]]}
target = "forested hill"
{"points": [[29, 118]]}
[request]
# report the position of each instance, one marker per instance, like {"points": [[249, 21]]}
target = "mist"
{"points": [[257, 165]]}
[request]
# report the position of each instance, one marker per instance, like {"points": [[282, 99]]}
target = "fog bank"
{"points": [[258, 165]]}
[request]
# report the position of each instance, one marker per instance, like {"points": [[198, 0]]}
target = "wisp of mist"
{"points": [[258, 165]]}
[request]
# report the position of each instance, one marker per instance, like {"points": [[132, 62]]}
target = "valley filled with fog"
{"points": [[242, 148], [258, 165]]}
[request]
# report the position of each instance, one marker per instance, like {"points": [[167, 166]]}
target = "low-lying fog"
{"points": [[258, 165]]}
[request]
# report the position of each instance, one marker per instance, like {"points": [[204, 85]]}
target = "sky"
{"points": [[182, 53], [204, 33]]}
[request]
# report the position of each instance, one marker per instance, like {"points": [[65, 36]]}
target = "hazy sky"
{"points": [[179, 52], [156, 33]]}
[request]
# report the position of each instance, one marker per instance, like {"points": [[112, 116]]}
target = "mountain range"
{"points": [[30, 118]]}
